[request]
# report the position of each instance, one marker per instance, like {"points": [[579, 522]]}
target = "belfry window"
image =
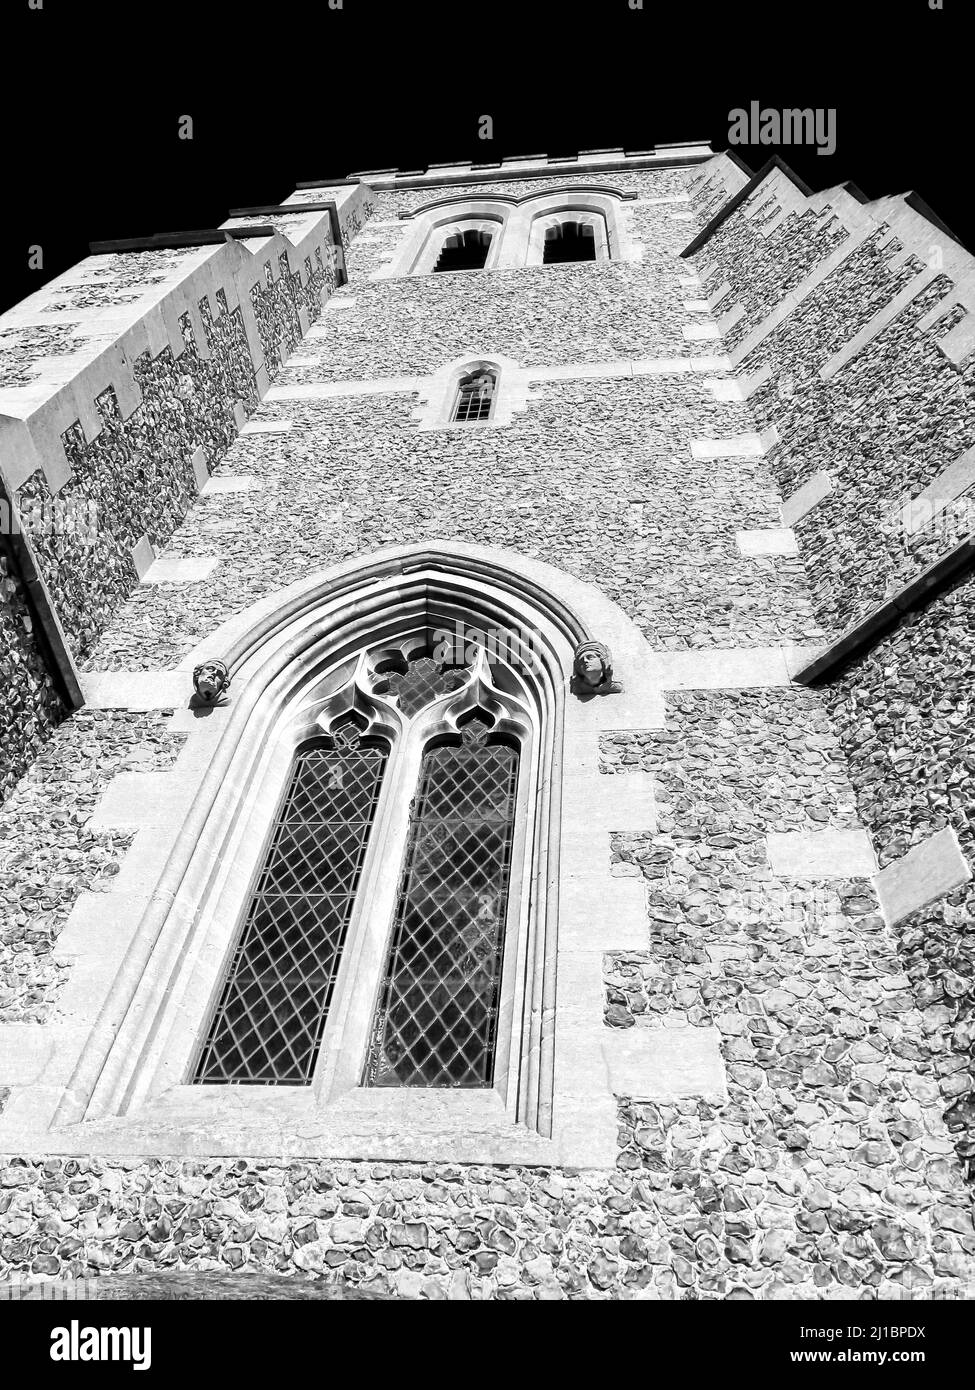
{"points": [[268, 1025], [464, 250], [475, 396], [437, 1018], [569, 241]]}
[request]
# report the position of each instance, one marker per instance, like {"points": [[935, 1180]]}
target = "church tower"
{"points": [[487, 741]]}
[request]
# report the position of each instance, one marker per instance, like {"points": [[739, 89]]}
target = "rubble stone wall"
{"points": [[122, 384], [829, 1171], [883, 428]]}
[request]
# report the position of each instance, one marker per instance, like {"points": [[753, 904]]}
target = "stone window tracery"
{"points": [[433, 723]]}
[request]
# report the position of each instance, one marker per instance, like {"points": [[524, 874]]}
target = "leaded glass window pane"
{"points": [[268, 1026], [474, 397], [437, 1020]]}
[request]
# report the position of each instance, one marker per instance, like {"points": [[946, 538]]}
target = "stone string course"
{"points": [[700, 1205]]}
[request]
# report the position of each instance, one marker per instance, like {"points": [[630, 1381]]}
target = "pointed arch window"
{"points": [[436, 1021], [267, 1027], [464, 249], [436, 1024], [366, 922], [475, 396], [569, 241]]}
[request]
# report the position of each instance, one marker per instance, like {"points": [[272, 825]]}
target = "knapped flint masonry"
{"points": [[326, 953]]}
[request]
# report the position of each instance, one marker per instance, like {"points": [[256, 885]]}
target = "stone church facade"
{"points": [[487, 741]]}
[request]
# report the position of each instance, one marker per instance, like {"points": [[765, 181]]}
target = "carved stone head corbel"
{"points": [[211, 679], [592, 671]]}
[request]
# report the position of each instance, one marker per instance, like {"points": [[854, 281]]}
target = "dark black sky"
{"points": [[294, 90]]}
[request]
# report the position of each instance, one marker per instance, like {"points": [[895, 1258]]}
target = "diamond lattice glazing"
{"points": [[268, 1025], [437, 1019]]}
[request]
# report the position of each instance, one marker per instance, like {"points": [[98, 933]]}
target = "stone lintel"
{"points": [[701, 332], [730, 668], [950, 484], [267, 427], [751, 383], [736, 446], [728, 320], [135, 690]]}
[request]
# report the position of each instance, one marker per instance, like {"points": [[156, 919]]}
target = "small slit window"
{"points": [[569, 241], [475, 396], [268, 1025], [437, 1019], [464, 250]]}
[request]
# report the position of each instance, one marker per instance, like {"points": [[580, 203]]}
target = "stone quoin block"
{"points": [[926, 873]]}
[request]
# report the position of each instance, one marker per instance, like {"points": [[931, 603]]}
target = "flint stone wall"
{"points": [[829, 1172], [883, 428], [122, 384]]}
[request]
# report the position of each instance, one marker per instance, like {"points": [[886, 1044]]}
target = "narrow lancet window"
{"points": [[437, 1019], [268, 1025], [475, 397]]}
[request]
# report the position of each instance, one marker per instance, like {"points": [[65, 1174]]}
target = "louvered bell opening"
{"points": [[569, 241]]}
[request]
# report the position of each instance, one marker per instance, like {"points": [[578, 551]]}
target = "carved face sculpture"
{"points": [[593, 664], [210, 680], [593, 671]]}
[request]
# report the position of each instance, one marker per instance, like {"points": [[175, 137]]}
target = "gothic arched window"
{"points": [[357, 944], [268, 1024], [569, 241], [475, 396], [436, 1021], [465, 249]]}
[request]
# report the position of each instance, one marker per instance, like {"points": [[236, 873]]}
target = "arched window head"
{"points": [[466, 249], [475, 396], [569, 241], [572, 232]]}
